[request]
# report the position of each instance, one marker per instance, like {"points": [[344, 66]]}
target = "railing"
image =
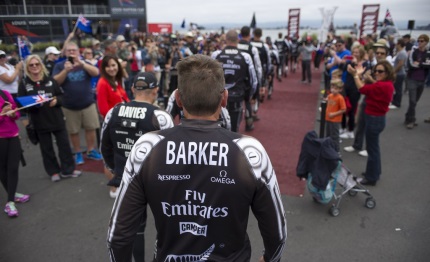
{"points": [[56, 10]]}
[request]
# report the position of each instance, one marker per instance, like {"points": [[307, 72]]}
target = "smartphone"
{"points": [[348, 57], [70, 59]]}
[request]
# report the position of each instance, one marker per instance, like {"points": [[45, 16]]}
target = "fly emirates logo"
{"points": [[194, 206]]}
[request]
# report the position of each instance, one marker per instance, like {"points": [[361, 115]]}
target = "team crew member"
{"points": [[123, 125], [239, 76], [282, 46], [200, 181], [263, 53], [245, 46]]}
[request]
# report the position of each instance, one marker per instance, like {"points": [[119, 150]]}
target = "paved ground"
{"points": [[67, 221]]}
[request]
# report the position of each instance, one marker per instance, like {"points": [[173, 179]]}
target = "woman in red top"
{"points": [[378, 97], [110, 89], [110, 92]]}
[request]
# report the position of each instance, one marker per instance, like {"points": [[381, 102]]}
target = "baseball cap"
{"points": [[145, 80], [120, 38], [2, 52], [52, 50], [189, 34], [95, 42]]}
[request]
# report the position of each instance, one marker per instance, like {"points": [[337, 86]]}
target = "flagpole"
{"points": [[76, 25], [30, 105], [19, 47]]}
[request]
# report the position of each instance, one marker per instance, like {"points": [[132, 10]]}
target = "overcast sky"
{"points": [[240, 11]]}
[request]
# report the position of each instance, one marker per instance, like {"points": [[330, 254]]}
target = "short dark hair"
{"points": [[401, 42], [200, 84], [245, 31], [258, 32]]}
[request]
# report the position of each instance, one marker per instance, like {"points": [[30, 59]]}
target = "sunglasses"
{"points": [[2, 56], [379, 71], [34, 65], [380, 53]]}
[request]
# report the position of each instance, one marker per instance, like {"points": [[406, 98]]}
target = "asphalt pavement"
{"points": [[67, 221]]}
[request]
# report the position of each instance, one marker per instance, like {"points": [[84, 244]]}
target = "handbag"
{"points": [[31, 133]]}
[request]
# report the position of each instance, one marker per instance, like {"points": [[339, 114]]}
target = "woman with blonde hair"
{"points": [[48, 119]]}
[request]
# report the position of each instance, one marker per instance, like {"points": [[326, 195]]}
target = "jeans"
{"points": [[306, 70], [415, 90], [360, 128], [374, 126], [398, 86]]}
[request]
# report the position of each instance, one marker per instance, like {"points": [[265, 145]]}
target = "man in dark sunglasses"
{"points": [[419, 65]]}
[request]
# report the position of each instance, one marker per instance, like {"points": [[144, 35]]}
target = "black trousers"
{"points": [[139, 241], [67, 163], [10, 155], [235, 111]]}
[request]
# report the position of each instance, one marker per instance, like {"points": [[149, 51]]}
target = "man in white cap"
{"points": [[189, 42], [51, 56]]}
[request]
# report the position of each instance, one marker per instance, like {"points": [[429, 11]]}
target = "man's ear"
{"points": [[178, 99], [224, 98]]}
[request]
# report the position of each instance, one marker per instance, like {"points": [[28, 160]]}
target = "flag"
{"points": [[388, 19], [183, 24], [84, 25], [29, 101], [253, 22], [23, 48]]}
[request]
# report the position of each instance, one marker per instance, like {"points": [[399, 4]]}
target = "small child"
{"points": [[335, 108]]}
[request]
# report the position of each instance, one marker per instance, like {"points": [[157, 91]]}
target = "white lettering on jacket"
{"points": [[132, 112], [202, 153]]}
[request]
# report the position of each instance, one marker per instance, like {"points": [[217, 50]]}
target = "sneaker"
{"points": [[75, 173], [55, 178], [410, 125], [349, 149], [393, 107], [255, 117], [249, 127], [347, 135], [10, 209], [427, 120], [79, 159], [363, 153], [113, 194], [93, 154], [21, 198]]}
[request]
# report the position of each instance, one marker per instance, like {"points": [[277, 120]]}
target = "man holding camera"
{"points": [[79, 108]]}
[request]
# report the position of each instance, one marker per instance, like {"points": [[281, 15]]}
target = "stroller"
{"points": [[321, 166]]}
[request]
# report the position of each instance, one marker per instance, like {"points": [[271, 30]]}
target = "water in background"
{"points": [[273, 33]]}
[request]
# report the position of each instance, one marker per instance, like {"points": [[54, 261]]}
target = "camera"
{"points": [[70, 59]]}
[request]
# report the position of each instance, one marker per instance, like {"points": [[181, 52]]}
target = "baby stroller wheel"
{"points": [[334, 211], [370, 203], [352, 192]]}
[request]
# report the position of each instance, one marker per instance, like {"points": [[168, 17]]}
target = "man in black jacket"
{"points": [[200, 181], [240, 77]]}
